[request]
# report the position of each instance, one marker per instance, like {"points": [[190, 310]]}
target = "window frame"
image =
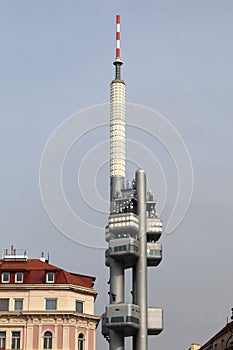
{"points": [[47, 278], [8, 302], [50, 299], [5, 273], [16, 279], [81, 341], [18, 300], [79, 302], [15, 340], [47, 340], [3, 340]]}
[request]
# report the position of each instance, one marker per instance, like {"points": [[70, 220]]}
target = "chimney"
{"points": [[42, 258]]}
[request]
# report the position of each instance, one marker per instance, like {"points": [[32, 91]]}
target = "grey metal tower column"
{"points": [[141, 266], [116, 297]]}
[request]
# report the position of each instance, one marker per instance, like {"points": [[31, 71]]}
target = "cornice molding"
{"points": [[48, 286]]}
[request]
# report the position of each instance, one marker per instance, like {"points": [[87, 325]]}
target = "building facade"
{"points": [[45, 307], [222, 340], [194, 347]]}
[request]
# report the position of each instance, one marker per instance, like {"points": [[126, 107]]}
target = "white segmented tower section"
{"points": [[117, 129]]}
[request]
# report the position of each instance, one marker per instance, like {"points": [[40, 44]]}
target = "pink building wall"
{"points": [[91, 339], [35, 337], [72, 338], [48, 328], [60, 337]]}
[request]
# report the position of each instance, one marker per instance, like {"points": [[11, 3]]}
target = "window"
{"points": [[15, 341], [79, 306], [81, 341], [117, 319], [50, 304], [2, 340], [133, 248], [5, 277], [132, 319], [18, 305], [19, 277], [155, 252], [4, 304], [50, 277], [48, 340]]}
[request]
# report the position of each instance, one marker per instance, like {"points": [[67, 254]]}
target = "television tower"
{"points": [[132, 233]]}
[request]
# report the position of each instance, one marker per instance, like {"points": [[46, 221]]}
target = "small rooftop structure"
{"points": [[13, 254]]}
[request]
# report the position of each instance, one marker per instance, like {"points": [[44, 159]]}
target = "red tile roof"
{"points": [[35, 273]]}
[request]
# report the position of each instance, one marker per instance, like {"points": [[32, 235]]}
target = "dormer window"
{"points": [[5, 277], [19, 277], [50, 277]]}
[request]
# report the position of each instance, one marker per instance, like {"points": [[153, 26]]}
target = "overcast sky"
{"points": [[56, 59]]}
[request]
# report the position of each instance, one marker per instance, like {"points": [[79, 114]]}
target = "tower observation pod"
{"points": [[132, 234]]}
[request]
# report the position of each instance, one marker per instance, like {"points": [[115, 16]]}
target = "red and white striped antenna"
{"points": [[118, 61], [118, 37]]}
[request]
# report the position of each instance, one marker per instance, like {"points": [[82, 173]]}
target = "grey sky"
{"points": [[56, 58]]}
